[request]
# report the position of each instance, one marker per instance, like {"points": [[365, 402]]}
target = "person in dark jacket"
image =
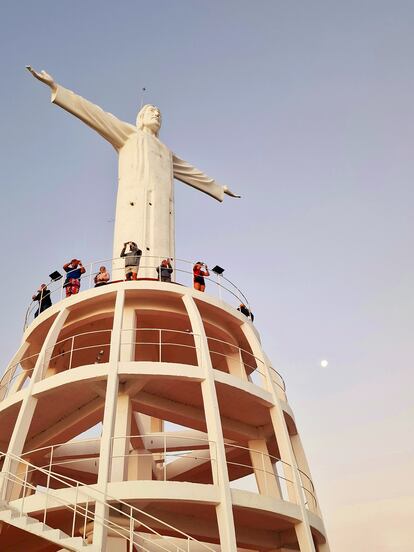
{"points": [[165, 270], [43, 296], [244, 310]]}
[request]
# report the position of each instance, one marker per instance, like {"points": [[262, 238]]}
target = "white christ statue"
{"points": [[145, 200]]}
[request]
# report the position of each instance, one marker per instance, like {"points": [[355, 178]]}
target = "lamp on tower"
{"points": [[218, 270]]}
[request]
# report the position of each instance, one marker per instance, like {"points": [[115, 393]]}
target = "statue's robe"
{"points": [[145, 200]]}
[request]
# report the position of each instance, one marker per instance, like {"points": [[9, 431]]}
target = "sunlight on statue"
{"points": [[147, 168]]}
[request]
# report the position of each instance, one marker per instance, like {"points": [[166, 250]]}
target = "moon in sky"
{"points": [[324, 363]]}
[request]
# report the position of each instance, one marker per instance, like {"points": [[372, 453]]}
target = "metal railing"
{"points": [[159, 345], [237, 361], [182, 274], [79, 349], [141, 344], [161, 448], [17, 375], [81, 505], [273, 475], [165, 449]]}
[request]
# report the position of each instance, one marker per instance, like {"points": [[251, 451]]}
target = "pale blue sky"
{"points": [[306, 109]]}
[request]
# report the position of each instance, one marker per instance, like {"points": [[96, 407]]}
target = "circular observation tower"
{"points": [[191, 445], [196, 446]]}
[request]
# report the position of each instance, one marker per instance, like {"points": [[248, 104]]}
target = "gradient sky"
{"points": [[306, 109]]}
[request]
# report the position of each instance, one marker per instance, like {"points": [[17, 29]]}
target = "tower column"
{"points": [[9, 372], [101, 509], [122, 431], [302, 529], [28, 406], [266, 481], [224, 509]]}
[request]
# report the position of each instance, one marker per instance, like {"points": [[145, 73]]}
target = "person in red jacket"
{"points": [[199, 273]]}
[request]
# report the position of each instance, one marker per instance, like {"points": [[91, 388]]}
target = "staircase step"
{"points": [[4, 505], [30, 520], [24, 521], [9, 514], [55, 534], [78, 543], [34, 526]]}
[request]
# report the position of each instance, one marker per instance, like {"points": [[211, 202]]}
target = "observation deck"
{"points": [[217, 284], [198, 446]]}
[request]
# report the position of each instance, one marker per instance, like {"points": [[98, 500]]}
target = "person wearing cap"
{"points": [[43, 296], [74, 270], [132, 260], [165, 270], [244, 310], [199, 282]]}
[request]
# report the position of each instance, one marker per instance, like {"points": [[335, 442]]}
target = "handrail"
{"points": [[148, 265], [14, 366], [273, 460], [162, 434], [72, 338], [92, 498], [257, 360], [102, 346], [88, 515], [168, 444]]}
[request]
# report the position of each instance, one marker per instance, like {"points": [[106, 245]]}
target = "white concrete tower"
{"points": [[194, 446]]}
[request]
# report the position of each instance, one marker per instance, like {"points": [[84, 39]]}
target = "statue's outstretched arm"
{"points": [[193, 177], [107, 125]]}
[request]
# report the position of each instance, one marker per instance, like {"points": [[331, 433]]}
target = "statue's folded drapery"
{"points": [[147, 168]]}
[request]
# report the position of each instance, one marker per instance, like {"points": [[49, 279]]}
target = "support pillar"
{"points": [[266, 481], [122, 431], [224, 509], [101, 509], [11, 370], [28, 406], [295, 492]]}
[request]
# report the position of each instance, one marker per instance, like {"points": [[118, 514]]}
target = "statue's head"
{"points": [[149, 119]]}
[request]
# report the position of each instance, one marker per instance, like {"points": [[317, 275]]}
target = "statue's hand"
{"points": [[43, 77], [229, 192]]}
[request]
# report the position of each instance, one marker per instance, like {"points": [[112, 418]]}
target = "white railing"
{"points": [[182, 274], [161, 448], [80, 504], [237, 361], [272, 475], [166, 448], [159, 345], [79, 350], [141, 344], [17, 375]]}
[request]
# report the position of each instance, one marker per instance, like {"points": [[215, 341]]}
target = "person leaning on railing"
{"points": [[43, 296], [165, 270], [132, 260], [102, 278], [74, 270]]}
